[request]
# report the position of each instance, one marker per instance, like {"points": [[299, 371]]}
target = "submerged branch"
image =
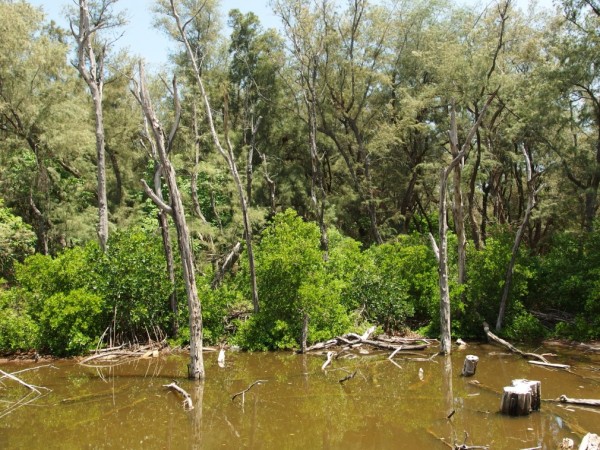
{"points": [[243, 393]]}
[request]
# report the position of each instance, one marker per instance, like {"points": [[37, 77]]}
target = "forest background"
{"points": [[352, 167]]}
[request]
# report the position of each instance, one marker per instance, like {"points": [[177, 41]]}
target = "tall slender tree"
{"points": [[91, 58]]}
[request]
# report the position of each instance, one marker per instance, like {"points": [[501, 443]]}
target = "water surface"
{"points": [[298, 406]]}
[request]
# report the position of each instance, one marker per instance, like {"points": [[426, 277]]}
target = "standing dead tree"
{"points": [[458, 153], [162, 143], [531, 191], [91, 56]]}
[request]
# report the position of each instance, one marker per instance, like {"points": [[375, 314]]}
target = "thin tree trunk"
{"points": [[317, 192], [519, 236], [459, 224], [227, 155], [459, 155], [163, 223], [94, 77]]}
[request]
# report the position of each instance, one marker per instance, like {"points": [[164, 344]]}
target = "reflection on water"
{"points": [[384, 405]]}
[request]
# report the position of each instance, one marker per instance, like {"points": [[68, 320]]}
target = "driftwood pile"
{"points": [[352, 340], [121, 354]]}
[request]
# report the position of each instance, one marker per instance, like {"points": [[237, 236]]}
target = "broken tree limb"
{"points": [[348, 377], [21, 382], [394, 353], [243, 393], [187, 398], [546, 364], [511, 347], [330, 356], [578, 401]]}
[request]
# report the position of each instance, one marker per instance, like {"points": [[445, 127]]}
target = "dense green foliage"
{"points": [[338, 126]]}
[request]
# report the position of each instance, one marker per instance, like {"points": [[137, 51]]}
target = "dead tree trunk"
{"points": [[91, 68], [228, 155], [445, 343], [519, 236], [162, 146]]}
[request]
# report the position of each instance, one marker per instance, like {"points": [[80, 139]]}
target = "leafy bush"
{"points": [[17, 240], [397, 280], [132, 279], [486, 271], [129, 280], [526, 328], [18, 331], [69, 323], [292, 282]]}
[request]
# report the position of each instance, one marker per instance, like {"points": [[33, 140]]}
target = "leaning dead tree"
{"points": [[227, 151], [458, 153], [161, 144], [531, 194], [91, 56]]}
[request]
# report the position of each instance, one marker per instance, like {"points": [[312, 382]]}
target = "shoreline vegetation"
{"points": [[422, 168]]}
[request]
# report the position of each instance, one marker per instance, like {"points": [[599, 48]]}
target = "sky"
{"points": [[142, 39]]}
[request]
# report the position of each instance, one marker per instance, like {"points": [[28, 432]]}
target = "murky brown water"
{"points": [[299, 406]]}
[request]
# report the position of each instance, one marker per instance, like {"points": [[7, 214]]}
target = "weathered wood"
{"points": [[470, 366], [567, 444], [187, 398], [555, 366], [511, 347], [329, 358], [535, 387], [516, 401], [578, 401], [590, 441], [221, 358]]}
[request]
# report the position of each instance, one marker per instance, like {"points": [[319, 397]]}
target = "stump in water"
{"points": [[535, 387], [470, 366], [521, 398], [590, 441]]}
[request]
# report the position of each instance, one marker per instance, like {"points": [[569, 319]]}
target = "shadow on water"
{"points": [[385, 405]]}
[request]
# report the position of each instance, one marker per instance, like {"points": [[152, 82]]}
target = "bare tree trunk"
{"points": [[459, 223], [228, 154], [163, 223], [91, 69], [445, 329], [317, 192], [519, 236], [196, 365]]}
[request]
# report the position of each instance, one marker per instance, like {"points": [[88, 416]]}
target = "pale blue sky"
{"points": [[142, 39]]}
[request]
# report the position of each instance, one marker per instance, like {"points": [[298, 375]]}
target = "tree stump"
{"points": [[535, 387], [521, 398], [470, 366], [590, 441]]}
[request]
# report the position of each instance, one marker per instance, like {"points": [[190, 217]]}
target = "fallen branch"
{"points": [[348, 377], [21, 382], [25, 400], [511, 347], [187, 398], [577, 401], [555, 366], [243, 393], [352, 340], [329, 358]]}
